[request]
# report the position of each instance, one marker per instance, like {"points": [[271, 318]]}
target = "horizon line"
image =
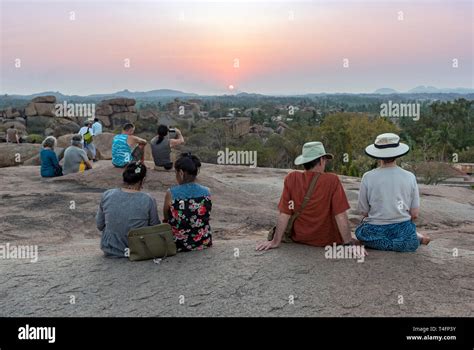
{"points": [[230, 93]]}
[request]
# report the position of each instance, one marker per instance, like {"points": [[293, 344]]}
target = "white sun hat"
{"points": [[387, 146]]}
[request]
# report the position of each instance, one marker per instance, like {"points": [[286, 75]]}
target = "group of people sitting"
{"points": [[126, 147], [388, 198], [388, 201], [75, 159], [186, 208]]}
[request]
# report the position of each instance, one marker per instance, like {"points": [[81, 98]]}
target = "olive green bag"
{"points": [[289, 227], [151, 242]]}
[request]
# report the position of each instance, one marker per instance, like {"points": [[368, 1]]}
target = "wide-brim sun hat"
{"points": [[387, 146], [312, 151]]}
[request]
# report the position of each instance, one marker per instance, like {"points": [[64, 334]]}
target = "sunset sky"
{"points": [[281, 47]]}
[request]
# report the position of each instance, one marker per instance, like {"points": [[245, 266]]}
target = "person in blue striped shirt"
{"points": [[126, 147]]}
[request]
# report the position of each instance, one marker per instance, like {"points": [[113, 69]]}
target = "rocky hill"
{"points": [[231, 278], [45, 116]]}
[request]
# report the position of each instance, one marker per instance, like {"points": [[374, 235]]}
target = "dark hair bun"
{"points": [[188, 163], [134, 172]]}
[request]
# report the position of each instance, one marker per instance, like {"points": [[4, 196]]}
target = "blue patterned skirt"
{"points": [[399, 237]]}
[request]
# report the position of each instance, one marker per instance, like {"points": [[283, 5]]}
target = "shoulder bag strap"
{"points": [[307, 196]]}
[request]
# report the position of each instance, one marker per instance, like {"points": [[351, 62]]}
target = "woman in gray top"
{"points": [[161, 146], [122, 209]]}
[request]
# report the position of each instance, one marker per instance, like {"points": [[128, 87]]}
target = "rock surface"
{"points": [[46, 109], [30, 110], [64, 141], [44, 99], [12, 154], [115, 112], [39, 123], [18, 125], [103, 144], [39, 117], [216, 282], [64, 127]]}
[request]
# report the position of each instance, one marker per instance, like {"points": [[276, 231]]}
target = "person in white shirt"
{"points": [[87, 134], [389, 200], [97, 127]]}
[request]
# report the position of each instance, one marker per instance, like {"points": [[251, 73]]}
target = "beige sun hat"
{"points": [[387, 146], [312, 151]]}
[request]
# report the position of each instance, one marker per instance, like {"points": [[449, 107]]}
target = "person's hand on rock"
{"points": [[266, 245], [356, 242]]}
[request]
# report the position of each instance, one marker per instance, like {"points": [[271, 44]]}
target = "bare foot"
{"points": [[424, 239]]}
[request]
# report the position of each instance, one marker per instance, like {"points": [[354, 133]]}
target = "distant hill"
{"points": [[152, 93], [123, 93], [246, 94], [57, 94], [425, 90], [385, 91], [431, 89], [168, 93]]}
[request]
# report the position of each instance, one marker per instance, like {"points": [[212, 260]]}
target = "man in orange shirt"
{"points": [[324, 220]]}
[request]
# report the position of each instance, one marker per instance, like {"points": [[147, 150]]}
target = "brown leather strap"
{"points": [[307, 196]]}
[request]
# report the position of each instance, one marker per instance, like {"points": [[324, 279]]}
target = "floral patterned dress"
{"points": [[189, 216]]}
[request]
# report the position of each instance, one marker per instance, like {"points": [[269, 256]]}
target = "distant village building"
{"points": [[249, 112], [233, 112], [282, 127], [237, 127], [277, 118], [261, 130]]}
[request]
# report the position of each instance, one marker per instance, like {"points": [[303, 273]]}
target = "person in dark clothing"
{"points": [[161, 146], [49, 160]]}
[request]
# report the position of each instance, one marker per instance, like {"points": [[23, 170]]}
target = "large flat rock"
{"points": [[431, 282]]}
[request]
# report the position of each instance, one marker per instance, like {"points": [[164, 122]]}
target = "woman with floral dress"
{"points": [[187, 207]]}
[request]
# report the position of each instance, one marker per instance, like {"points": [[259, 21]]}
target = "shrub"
{"points": [[34, 138], [431, 173], [467, 156]]}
